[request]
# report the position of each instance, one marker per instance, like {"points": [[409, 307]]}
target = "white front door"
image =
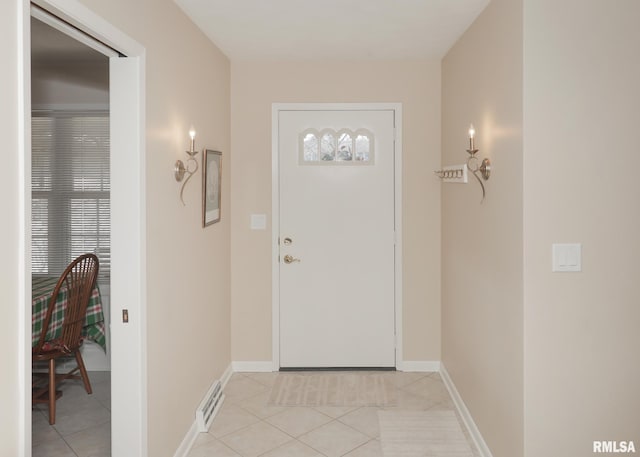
{"points": [[336, 262]]}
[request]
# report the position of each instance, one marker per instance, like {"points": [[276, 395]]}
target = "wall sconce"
{"points": [[180, 169], [484, 168]]}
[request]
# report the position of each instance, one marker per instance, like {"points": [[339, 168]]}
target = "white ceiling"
{"points": [[333, 29]]}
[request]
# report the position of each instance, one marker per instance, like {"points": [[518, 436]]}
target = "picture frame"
{"points": [[211, 187]]}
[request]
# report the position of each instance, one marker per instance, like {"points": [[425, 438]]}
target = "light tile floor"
{"points": [[83, 422], [247, 426]]}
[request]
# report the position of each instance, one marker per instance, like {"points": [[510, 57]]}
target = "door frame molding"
{"points": [[275, 211], [129, 413]]}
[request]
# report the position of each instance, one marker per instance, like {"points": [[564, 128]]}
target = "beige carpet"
{"points": [[332, 389], [422, 434]]}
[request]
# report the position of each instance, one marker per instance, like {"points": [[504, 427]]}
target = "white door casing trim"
{"points": [[275, 211], [130, 435], [128, 256]]}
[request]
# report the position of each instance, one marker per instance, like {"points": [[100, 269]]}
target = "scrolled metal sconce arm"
{"points": [[484, 168], [179, 169]]}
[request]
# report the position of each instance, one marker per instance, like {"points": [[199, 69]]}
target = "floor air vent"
{"points": [[209, 407]]}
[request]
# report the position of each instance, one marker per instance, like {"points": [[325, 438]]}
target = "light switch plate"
{"points": [[258, 222], [566, 257]]}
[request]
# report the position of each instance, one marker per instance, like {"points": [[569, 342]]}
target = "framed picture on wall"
{"points": [[211, 187]]}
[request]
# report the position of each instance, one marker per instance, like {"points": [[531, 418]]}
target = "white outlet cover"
{"points": [[566, 257]]}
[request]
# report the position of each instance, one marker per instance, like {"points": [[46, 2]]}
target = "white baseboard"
{"points": [[419, 365], [252, 367], [224, 379], [476, 436], [188, 441], [192, 435]]}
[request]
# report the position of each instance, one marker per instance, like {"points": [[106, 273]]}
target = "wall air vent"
{"points": [[209, 407]]}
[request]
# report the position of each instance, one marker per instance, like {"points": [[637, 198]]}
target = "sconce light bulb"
{"points": [[192, 134], [472, 146]]}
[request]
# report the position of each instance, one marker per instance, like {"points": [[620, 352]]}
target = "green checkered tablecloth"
{"points": [[42, 288]]}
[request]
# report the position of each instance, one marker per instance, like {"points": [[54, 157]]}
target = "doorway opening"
{"points": [[70, 216], [127, 231]]}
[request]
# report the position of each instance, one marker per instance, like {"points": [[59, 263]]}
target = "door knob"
{"points": [[290, 259]]}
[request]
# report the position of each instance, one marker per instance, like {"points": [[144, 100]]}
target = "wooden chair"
{"points": [[79, 279]]}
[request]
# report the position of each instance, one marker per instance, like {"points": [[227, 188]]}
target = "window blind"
{"points": [[70, 189]]}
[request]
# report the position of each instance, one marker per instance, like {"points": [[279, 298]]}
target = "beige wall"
{"points": [[11, 390], [255, 86], [482, 286], [54, 87], [565, 75], [581, 92], [188, 82]]}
